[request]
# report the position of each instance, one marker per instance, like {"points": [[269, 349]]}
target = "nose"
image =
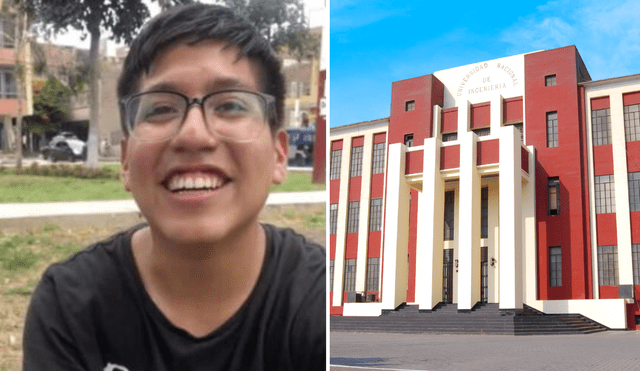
{"points": [[194, 134]]}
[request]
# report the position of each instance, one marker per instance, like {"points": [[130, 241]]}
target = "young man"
{"points": [[203, 286]]}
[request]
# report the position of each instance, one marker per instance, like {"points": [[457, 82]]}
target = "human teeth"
{"points": [[198, 181], [207, 183], [188, 183]]}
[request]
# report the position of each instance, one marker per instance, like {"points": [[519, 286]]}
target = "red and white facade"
{"points": [[510, 181]]}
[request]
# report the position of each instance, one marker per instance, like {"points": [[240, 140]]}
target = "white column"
{"points": [[510, 260], [529, 239], [464, 117], [396, 230], [621, 180], [363, 226], [469, 224], [496, 113]]}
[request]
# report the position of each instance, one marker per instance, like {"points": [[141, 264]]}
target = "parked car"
{"points": [[301, 143], [66, 147]]}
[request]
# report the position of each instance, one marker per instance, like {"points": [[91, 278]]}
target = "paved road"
{"points": [[611, 350]]}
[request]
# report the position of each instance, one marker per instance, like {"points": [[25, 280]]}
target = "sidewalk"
{"points": [[49, 209]]}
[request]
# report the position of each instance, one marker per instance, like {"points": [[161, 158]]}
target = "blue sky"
{"points": [[376, 42]]}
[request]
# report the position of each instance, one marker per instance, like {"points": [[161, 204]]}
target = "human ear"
{"points": [[124, 161], [280, 144]]}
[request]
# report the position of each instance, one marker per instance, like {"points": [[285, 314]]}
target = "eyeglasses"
{"points": [[233, 115]]}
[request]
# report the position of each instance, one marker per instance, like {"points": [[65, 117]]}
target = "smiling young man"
{"points": [[203, 285]]}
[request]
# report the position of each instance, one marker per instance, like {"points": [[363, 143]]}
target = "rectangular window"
{"points": [[632, 122], [552, 129], [410, 105], [550, 80], [482, 132], [333, 218], [605, 194], [635, 254], [7, 31], [331, 265], [608, 265], [373, 274], [449, 137], [350, 275], [336, 160], [634, 191], [555, 266], [356, 161], [553, 196], [378, 158], [8, 88], [408, 140], [449, 203], [375, 215], [601, 126], [484, 212], [353, 217]]}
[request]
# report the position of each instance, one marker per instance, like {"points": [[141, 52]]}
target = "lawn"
{"points": [[38, 188], [24, 256]]}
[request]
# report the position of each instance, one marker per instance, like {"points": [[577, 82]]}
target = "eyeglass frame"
{"points": [[268, 99]]}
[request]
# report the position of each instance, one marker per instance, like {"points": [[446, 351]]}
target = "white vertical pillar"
{"points": [[496, 113], [396, 230], [529, 239], [464, 117], [621, 180], [430, 236], [469, 224], [510, 260], [363, 225]]}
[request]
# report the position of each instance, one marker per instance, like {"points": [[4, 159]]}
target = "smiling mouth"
{"points": [[192, 182]]}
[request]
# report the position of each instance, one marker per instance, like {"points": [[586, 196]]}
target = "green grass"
{"points": [[38, 188]]}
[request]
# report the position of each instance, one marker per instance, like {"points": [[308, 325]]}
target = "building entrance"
{"points": [[484, 275], [447, 276]]}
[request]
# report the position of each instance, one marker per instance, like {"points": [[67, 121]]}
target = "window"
{"points": [[7, 31], [605, 194], [608, 265], [601, 126], [449, 137], [373, 274], [353, 217], [333, 218], [350, 275], [634, 191], [555, 266], [410, 105], [482, 132], [356, 161], [408, 140], [336, 159], [449, 200], [378, 158], [553, 196], [632, 122], [635, 253], [484, 212], [331, 265], [375, 215], [8, 88], [550, 80], [552, 129]]}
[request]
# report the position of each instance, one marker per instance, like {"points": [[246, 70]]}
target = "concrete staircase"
{"points": [[482, 319]]}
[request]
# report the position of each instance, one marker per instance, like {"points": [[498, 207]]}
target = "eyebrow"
{"points": [[216, 85]]}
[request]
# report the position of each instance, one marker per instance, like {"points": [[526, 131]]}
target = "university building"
{"points": [[514, 181]]}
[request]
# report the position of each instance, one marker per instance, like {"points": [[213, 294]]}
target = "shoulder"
{"points": [[288, 244]]}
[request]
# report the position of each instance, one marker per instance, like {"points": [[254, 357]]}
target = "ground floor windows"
{"points": [[605, 194], [608, 265], [635, 252], [373, 274], [555, 266], [350, 275], [331, 266], [353, 219], [484, 275]]}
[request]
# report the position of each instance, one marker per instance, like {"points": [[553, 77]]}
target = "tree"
{"points": [[282, 22], [50, 106]]}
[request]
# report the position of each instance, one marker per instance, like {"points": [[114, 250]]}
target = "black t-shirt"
{"points": [[91, 312]]}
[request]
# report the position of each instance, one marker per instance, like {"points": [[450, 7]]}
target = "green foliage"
{"points": [[50, 107], [64, 170]]}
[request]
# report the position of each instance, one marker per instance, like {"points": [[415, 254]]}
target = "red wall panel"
{"points": [[635, 228], [606, 228], [449, 122], [373, 248], [480, 115], [413, 164], [603, 160], [332, 244], [609, 292], [524, 159], [377, 185], [450, 157], [631, 98], [512, 110], [351, 246], [633, 157], [336, 145], [357, 142], [355, 186], [379, 138], [334, 191], [488, 152], [599, 103]]}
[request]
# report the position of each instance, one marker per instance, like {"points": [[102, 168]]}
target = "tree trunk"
{"points": [[94, 101]]}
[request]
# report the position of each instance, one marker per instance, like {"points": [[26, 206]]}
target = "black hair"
{"points": [[189, 25]]}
